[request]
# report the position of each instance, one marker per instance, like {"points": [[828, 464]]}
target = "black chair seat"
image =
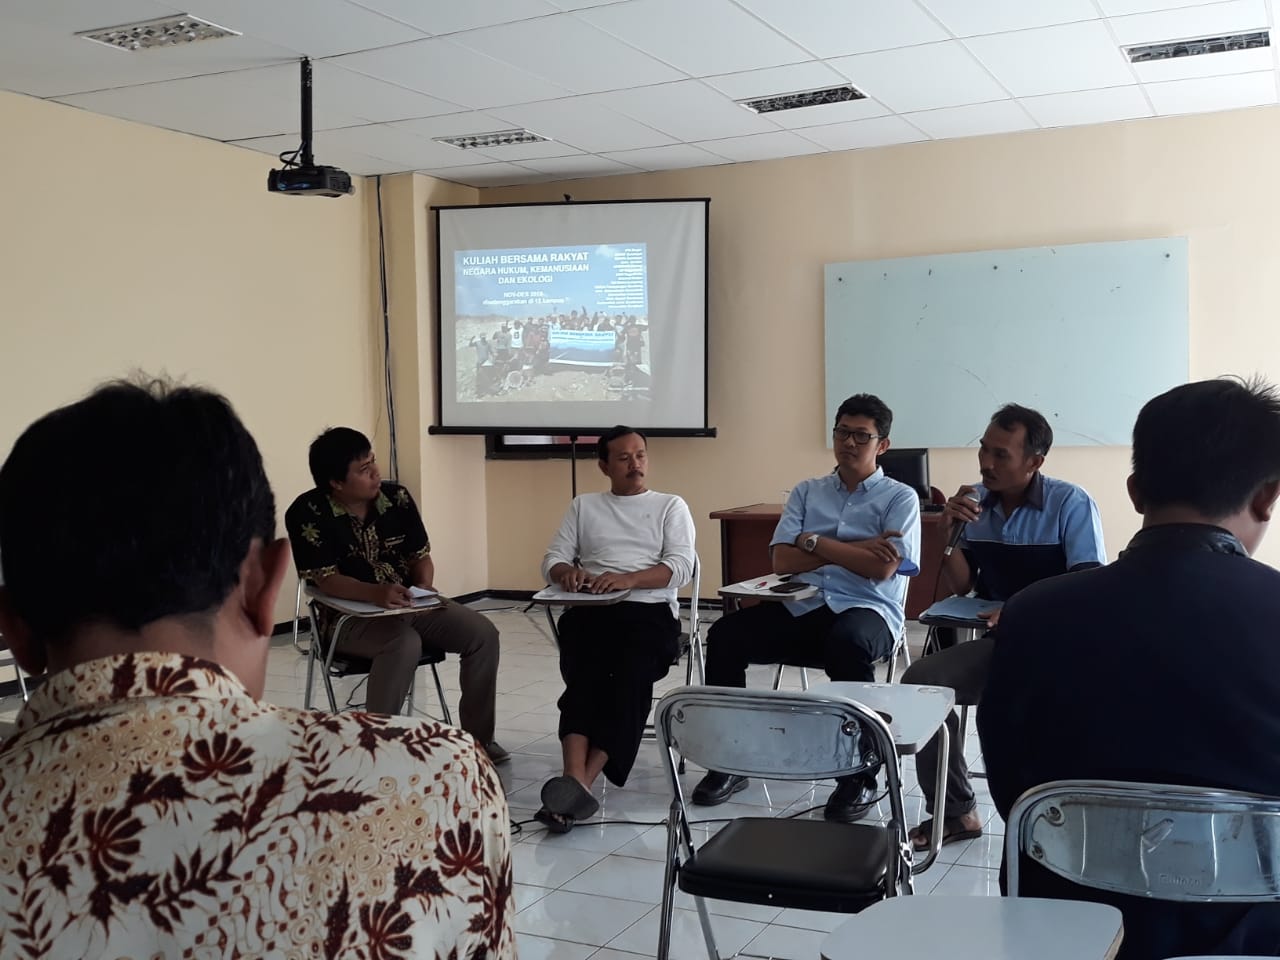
{"points": [[809, 864], [345, 665]]}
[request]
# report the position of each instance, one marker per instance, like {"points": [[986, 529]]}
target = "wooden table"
{"points": [[745, 533]]}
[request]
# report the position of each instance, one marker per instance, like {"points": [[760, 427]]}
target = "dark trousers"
{"points": [[845, 645], [610, 657], [964, 668]]}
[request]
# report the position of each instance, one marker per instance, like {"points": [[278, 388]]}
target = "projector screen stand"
{"points": [[573, 464]]}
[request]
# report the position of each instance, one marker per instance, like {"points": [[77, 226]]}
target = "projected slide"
{"points": [[555, 317], [539, 324]]}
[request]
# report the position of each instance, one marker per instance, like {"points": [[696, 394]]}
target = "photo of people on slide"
{"points": [[552, 323]]}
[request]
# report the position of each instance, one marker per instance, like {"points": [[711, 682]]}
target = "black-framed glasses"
{"points": [[860, 437]]}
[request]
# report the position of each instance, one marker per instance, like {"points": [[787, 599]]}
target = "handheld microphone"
{"points": [[958, 532]]}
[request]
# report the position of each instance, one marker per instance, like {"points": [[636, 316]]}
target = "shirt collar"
{"points": [[381, 503], [1034, 497], [868, 484], [101, 683]]}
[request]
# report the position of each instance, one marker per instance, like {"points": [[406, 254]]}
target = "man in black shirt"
{"points": [[358, 537], [1164, 666]]}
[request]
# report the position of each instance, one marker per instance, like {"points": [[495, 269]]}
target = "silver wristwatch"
{"points": [[809, 543]]}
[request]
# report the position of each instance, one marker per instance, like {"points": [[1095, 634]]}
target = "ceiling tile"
{"points": [[974, 120], [452, 124], [569, 53], [687, 111], [441, 68], [792, 78], [1118, 8], [921, 78], [1213, 93], [392, 143], [675, 157], [1208, 65], [1088, 106], [582, 166], [485, 174], [833, 28], [703, 38], [762, 146], [969, 18], [583, 123], [829, 113], [330, 154], [224, 106], [450, 16], [326, 28], [878, 132], [1186, 24], [358, 95], [41, 56], [1075, 56]]}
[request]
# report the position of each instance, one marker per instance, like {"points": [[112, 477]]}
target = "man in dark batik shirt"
{"points": [[358, 537]]}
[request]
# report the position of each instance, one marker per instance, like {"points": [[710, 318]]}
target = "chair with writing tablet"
{"points": [[779, 861], [333, 663]]}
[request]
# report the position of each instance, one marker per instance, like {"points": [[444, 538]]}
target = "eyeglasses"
{"points": [[860, 437]]}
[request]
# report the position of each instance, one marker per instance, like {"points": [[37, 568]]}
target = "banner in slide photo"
{"points": [[540, 281], [590, 347]]}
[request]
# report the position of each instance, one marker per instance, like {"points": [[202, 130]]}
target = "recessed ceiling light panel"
{"points": [[164, 32], [1174, 49], [499, 138], [805, 98]]}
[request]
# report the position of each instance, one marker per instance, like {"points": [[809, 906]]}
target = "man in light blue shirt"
{"points": [[846, 533]]}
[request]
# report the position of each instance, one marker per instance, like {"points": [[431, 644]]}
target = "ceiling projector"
{"points": [[301, 176], [310, 181]]}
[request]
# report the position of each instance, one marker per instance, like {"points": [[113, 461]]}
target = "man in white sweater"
{"points": [[631, 538]]}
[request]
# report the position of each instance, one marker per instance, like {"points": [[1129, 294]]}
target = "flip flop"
{"points": [[554, 822], [567, 797], [952, 832]]}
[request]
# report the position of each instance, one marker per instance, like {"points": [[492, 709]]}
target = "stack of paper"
{"points": [[556, 595], [959, 612]]}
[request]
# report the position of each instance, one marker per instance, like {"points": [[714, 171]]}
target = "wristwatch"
{"points": [[809, 543]]}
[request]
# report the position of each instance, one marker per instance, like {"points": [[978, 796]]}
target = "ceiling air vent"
{"points": [[165, 32], [805, 98], [1174, 49], [500, 138]]}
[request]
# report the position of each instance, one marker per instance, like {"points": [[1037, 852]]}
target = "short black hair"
{"points": [[602, 445], [157, 525], [1039, 436], [331, 454], [1208, 445], [867, 405]]}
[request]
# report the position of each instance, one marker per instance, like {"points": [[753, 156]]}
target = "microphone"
{"points": [[958, 532]]}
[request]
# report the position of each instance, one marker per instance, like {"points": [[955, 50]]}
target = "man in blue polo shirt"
{"points": [[846, 533], [1019, 527]]}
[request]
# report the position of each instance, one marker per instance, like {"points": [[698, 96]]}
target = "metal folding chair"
{"points": [[1182, 844], [7, 660], [782, 862], [334, 664]]}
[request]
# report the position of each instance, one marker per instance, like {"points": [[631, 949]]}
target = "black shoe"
{"points": [[852, 800], [716, 788]]}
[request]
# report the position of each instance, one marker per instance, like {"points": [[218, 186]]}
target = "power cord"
{"points": [[386, 335]]}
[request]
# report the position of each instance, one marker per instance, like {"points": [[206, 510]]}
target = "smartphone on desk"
{"points": [[790, 586]]}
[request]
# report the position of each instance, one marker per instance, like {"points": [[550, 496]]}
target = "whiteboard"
{"points": [[1085, 333]]}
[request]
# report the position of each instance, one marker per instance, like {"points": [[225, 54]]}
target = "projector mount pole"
{"points": [[308, 158]]}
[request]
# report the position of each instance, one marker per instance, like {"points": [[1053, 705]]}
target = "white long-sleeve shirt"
{"points": [[606, 533]]}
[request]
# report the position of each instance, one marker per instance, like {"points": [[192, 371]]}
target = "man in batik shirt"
{"points": [[152, 804]]}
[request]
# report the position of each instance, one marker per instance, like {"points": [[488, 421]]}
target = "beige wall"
{"points": [[124, 246], [446, 474], [774, 224]]}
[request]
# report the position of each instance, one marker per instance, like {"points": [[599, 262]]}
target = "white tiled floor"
{"points": [[594, 892]]}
